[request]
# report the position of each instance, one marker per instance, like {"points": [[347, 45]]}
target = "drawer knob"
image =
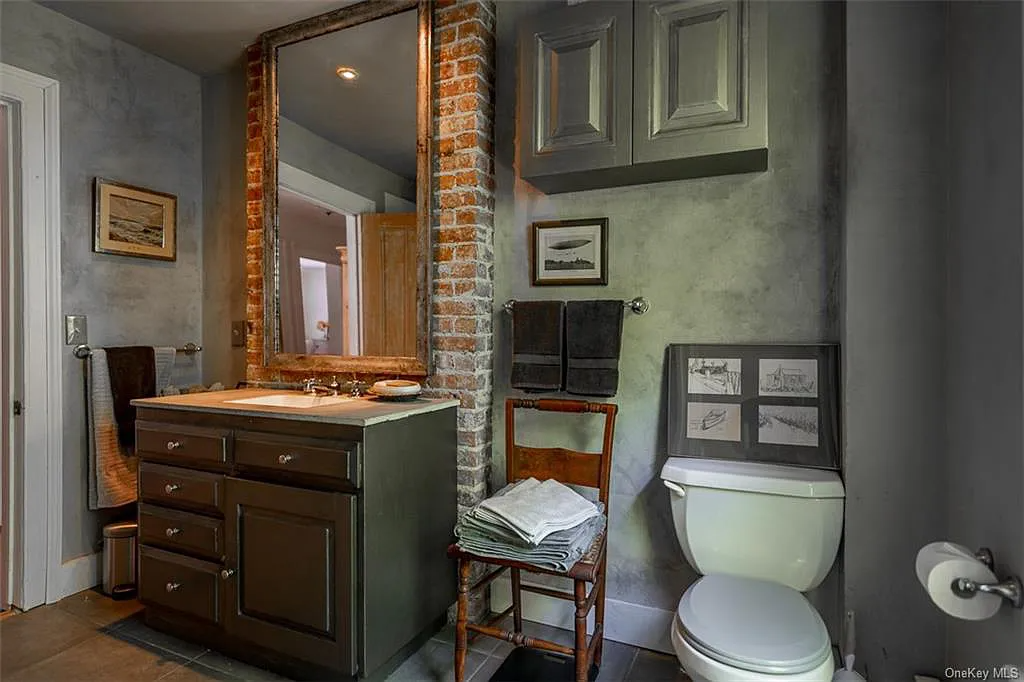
{"points": [[171, 487], [173, 445], [285, 458], [171, 532], [172, 586], [226, 573]]}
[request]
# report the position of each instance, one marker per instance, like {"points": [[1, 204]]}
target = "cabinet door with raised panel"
{"points": [[700, 78], [576, 79], [291, 580]]}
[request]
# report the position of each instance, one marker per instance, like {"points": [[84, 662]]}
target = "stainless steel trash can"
{"points": [[119, 541]]}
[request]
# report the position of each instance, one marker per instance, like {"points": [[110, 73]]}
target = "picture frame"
{"points": [[135, 221], [763, 403], [569, 252]]}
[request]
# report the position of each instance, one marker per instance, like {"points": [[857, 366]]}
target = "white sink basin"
{"points": [[294, 400]]}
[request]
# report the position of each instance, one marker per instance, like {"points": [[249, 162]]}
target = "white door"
{"points": [[8, 346], [30, 318]]}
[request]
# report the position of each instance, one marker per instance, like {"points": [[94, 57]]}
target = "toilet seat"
{"points": [[753, 625]]}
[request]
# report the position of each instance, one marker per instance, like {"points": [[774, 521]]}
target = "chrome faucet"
{"points": [[356, 387], [312, 386]]}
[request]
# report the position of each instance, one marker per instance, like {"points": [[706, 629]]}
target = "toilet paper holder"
{"points": [[1009, 589]]}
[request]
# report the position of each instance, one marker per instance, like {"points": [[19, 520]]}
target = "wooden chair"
{"points": [[571, 467]]}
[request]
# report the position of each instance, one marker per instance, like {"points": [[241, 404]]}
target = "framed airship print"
{"points": [[565, 252]]}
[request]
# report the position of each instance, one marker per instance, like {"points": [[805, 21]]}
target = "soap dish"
{"points": [[396, 389]]}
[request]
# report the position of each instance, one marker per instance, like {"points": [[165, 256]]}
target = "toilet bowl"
{"points": [[761, 535]]}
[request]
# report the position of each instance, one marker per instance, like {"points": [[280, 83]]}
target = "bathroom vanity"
{"points": [[302, 534]]}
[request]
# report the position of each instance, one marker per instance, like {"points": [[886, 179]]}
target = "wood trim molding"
{"points": [[264, 201]]}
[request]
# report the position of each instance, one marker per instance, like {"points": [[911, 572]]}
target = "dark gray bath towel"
{"points": [[593, 338], [537, 345]]}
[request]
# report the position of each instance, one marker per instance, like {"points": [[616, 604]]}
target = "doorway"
{"points": [[30, 308]]}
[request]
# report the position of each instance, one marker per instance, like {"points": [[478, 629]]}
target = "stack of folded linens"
{"points": [[543, 523]]}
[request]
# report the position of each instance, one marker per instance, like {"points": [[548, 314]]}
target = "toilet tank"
{"points": [[765, 521]]}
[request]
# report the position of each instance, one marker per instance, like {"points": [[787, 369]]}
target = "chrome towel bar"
{"points": [[83, 351], [638, 305]]}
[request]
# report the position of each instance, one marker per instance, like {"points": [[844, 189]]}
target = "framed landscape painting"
{"points": [[569, 252], [133, 221]]}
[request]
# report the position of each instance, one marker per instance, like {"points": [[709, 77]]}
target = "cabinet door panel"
{"points": [[294, 582], [576, 79], [700, 78]]}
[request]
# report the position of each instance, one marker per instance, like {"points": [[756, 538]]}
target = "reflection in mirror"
{"points": [[347, 227]]}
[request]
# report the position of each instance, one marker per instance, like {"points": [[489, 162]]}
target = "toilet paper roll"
{"points": [[940, 589], [933, 554]]}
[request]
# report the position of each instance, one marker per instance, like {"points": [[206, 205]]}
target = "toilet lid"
{"points": [[753, 625]]}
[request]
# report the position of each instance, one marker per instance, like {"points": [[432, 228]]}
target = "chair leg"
{"points": [[599, 611], [580, 594], [461, 643], [517, 601]]}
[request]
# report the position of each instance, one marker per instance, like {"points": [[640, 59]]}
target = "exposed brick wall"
{"points": [[461, 232], [254, 216], [463, 291]]}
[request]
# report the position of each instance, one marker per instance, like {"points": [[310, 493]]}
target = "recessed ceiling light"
{"points": [[347, 73]]}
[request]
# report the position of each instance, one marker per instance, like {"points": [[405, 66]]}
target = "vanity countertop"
{"points": [[363, 411]]}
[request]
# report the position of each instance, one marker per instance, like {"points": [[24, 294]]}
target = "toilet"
{"points": [[760, 535]]}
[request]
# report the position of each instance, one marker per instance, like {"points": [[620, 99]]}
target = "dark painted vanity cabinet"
{"points": [[618, 93], [309, 547]]}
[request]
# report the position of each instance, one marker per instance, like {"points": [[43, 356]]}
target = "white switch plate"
{"points": [[75, 330]]}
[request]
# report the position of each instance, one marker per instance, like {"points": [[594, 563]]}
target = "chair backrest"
{"points": [[590, 469]]}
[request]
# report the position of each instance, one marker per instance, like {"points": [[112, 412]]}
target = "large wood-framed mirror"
{"points": [[346, 190]]}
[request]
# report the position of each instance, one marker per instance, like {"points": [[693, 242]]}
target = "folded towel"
{"points": [[132, 375], [113, 471], [537, 345], [534, 510], [593, 337], [557, 551], [556, 557], [163, 358]]}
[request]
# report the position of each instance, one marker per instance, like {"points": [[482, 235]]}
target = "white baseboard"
{"points": [[635, 624], [74, 576]]}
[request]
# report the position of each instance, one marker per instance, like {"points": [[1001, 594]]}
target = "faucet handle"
{"points": [[308, 384], [334, 385]]}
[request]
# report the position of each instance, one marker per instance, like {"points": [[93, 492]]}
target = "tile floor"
{"points": [[90, 638]]}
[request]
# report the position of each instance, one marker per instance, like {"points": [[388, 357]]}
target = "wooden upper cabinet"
{"points": [[700, 78], [576, 80], [619, 93]]}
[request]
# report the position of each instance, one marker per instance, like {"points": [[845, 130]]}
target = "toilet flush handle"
{"points": [[675, 487]]}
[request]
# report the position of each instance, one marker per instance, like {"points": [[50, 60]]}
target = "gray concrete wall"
{"points": [[893, 324], [131, 117], [746, 258], [306, 150], [984, 333], [224, 223]]}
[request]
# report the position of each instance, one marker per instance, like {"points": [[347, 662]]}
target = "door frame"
{"points": [[36, 509], [327, 195]]}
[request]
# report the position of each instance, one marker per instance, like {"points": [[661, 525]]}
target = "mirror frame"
{"points": [[271, 41]]}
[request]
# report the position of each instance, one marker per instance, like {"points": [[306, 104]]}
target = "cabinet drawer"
{"points": [[181, 488], [323, 458], [182, 442], [180, 583], [181, 531]]}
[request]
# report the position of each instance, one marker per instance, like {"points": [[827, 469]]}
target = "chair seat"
{"points": [[586, 568]]}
